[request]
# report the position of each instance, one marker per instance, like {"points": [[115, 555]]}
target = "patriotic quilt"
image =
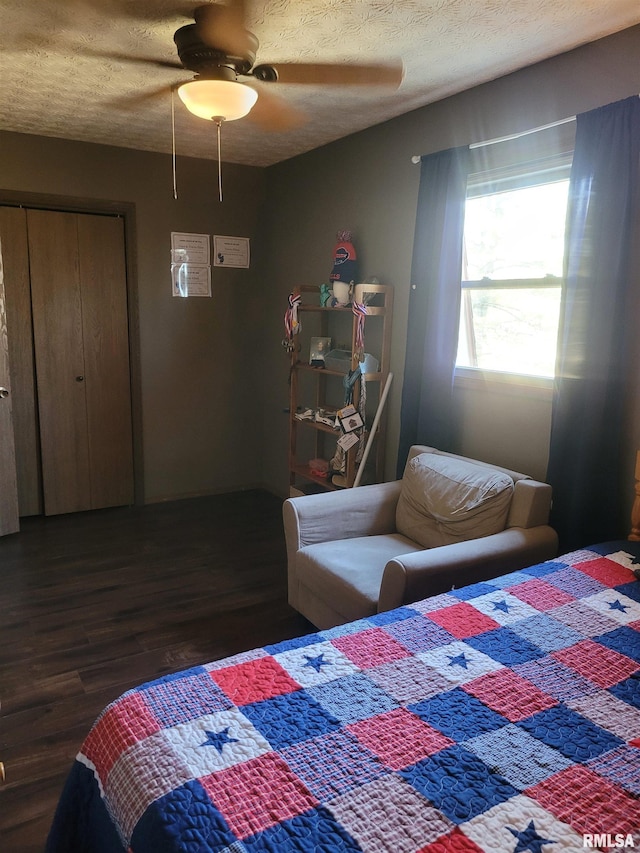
{"points": [[503, 716]]}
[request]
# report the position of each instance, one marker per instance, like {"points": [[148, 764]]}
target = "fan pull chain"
{"points": [[173, 143], [218, 120]]}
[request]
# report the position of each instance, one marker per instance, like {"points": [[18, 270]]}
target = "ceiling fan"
{"points": [[228, 84]]}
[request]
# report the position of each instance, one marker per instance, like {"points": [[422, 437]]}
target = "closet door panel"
{"points": [[15, 258], [9, 521], [106, 359], [57, 326]]}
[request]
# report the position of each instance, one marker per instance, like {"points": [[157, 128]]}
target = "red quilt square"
{"points": [[453, 842], [399, 738], [258, 794], [254, 680], [126, 722], [462, 620], [606, 571], [508, 693], [586, 801], [604, 666], [540, 594], [371, 648]]}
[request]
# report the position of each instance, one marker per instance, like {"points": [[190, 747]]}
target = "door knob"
{"points": [[79, 378], [4, 392]]}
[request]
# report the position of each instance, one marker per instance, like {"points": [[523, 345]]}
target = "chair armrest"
{"points": [[411, 577], [530, 505], [365, 511]]}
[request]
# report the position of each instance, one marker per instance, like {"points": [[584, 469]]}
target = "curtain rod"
{"points": [[417, 157]]}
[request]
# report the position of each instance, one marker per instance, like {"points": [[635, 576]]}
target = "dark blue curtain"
{"points": [[434, 304], [592, 369]]}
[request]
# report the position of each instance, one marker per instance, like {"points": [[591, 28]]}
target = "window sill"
{"points": [[499, 382]]}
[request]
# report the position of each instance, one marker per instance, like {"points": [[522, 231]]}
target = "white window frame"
{"points": [[496, 171]]}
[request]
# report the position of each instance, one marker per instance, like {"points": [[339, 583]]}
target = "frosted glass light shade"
{"points": [[211, 99]]}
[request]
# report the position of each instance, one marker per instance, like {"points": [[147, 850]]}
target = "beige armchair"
{"points": [[350, 555]]}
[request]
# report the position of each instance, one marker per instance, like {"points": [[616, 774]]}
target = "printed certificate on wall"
{"points": [[192, 248], [231, 252], [191, 279]]}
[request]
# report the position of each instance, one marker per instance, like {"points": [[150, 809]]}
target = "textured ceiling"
{"points": [[60, 74]]}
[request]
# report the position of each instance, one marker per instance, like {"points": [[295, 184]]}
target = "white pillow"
{"points": [[445, 500]]}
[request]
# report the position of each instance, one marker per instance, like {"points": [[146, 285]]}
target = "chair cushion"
{"points": [[347, 573], [445, 500]]}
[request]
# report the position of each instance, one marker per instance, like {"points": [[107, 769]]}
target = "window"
{"points": [[512, 267]]}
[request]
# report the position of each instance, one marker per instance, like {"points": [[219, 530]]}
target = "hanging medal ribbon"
{"points": [[360, 312], [291, 322]]}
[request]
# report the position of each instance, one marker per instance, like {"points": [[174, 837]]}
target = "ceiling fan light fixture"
{"points": [[217, 99]]}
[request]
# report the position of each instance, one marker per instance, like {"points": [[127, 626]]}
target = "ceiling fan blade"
{"points": [[136, 100], [128, 57], [139, 10], [339, 74], [272, 112], [223, 27]]}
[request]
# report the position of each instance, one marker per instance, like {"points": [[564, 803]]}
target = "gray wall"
{"points": [[367, 183], [213, 374], [197, 377]]}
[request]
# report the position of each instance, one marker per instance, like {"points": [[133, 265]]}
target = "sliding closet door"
{"points": [[78, 296], [9, 522], [57, 329], [15, 259], [106, 359]]}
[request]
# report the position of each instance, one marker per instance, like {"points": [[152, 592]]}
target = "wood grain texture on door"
{"points": [[9, 520], [58, 338], [103, 288], [15, 257]]}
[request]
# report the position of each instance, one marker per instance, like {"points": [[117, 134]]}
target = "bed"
{"points": [[503, 716]]}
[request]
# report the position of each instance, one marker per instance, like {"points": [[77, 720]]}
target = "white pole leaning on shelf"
{"points": [[374, 427]]}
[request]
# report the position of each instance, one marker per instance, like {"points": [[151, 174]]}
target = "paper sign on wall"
{"points": [[231, 252], [190, 264]]}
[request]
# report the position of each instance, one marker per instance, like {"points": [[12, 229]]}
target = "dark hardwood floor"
{"points": [[92, 604]]}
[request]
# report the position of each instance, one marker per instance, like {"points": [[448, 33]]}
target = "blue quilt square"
{"points": [[344, 630], [178, 700], [474, 590], [570, 733], [621, 766], [631, 590], [543, 569], [556, 679], [505, 581], [628, 690], [546, 633], [390, 616], [332, 764], [576, 583], [458, 715], [505, 646], [289, 718], [312, 830], [522, 759], [624, 640], [458, 783], [352, 698], [185, 820], [420, 634], [295, 643]]}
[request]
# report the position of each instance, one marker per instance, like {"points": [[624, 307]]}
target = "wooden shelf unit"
{"points": [[318, 380]]}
